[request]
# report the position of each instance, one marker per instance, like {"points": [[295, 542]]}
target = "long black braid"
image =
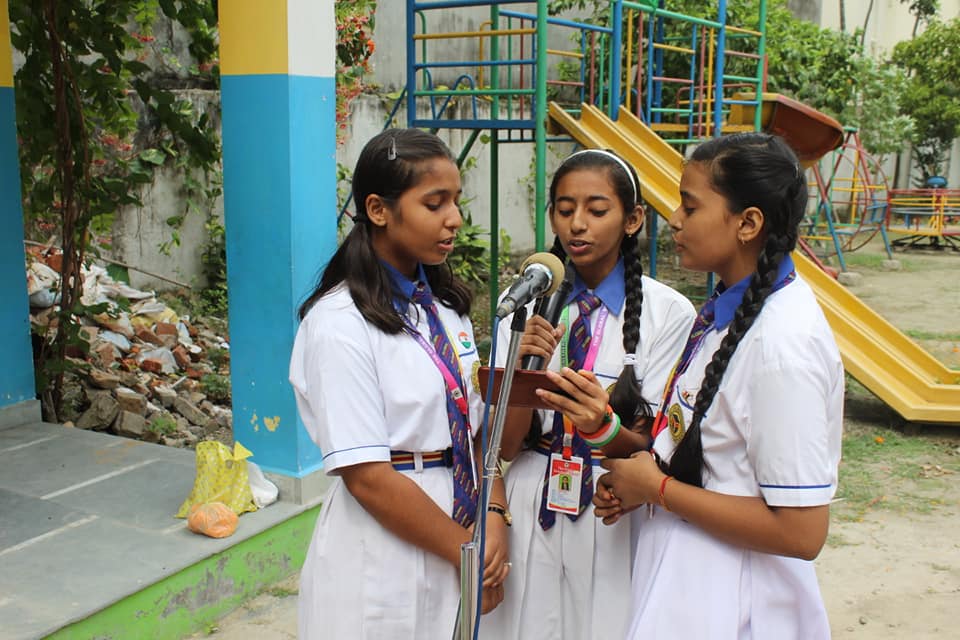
{"points": [[761, 171], [627, 398]]}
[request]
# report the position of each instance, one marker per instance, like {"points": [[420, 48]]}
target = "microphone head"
{"points": [[551, 262]]}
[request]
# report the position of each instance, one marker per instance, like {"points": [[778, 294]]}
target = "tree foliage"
{"points": [[829, 71], [922, 11], [355, 45], [932, 94], [84, 66]]}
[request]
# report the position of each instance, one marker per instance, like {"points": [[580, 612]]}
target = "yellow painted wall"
{"points": [[253, 37], [6, 54]]}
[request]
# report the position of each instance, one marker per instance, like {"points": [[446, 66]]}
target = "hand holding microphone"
{"points": [[542, 328]]}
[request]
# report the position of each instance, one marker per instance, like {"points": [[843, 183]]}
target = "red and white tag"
{"points": [[563, 493]]}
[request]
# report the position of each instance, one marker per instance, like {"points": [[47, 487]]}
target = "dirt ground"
{"points": [[891, 565]]}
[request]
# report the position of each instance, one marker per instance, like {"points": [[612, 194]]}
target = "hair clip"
{"points": [[392, 151], [630, 360]]}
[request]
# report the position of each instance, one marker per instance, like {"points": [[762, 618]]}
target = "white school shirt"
{"points": [[773, 430], [362, 393], [572, 582]]}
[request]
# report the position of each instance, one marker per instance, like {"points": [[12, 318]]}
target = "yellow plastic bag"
{"points": [[221, 477]]}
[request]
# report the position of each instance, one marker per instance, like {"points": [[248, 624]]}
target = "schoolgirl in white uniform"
{"points": [[571, 575], [749, 435], [381, 370]]}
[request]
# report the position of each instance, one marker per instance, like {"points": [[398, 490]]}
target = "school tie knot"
{"points": [[587, 303], [579, 340], [708, 312], [422, 296]]}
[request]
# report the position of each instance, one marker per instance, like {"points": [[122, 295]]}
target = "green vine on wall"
{"points": [[96, 117], [84, 65]]}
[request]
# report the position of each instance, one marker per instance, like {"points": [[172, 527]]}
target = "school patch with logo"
{"points": [[675, 422], [464, 339]]}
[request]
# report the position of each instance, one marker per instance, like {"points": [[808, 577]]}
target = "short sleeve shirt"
{"points": [[774, 427], [363, 393]]}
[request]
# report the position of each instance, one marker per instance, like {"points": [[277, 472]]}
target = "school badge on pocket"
{"points": [[675, 422]]}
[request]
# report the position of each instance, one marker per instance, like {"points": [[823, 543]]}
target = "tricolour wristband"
{"points": [[605, 434]]}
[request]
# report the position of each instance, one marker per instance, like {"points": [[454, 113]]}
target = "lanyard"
{"points": [[596, 338], [453, 387], [660, 422]]}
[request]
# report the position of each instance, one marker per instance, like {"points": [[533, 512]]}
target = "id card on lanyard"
{"points": [[566, 469]]}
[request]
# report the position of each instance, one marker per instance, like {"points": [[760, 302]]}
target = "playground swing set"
{"points": [[612, 89]]}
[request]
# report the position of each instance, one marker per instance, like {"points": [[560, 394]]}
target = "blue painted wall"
{"points": [[16, 372], [279, 145]]}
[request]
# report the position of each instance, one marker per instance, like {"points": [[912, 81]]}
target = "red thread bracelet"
{"points": [[663, 485]]}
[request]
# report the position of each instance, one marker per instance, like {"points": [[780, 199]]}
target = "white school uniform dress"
{"points": [[572, 582], [361, 394], [773, 430]]}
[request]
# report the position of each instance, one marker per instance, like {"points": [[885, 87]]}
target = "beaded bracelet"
{"points": [[608, 430]]}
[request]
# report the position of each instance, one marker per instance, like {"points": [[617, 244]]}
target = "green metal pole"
{"points": [[494, 282], [468, 145], [762, 52], [540, 113]]}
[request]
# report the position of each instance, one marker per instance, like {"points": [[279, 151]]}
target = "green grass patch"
{"points": [[280, 591], [865, 260], [885, 468], [917, 334], [838, 540], [874, 261]]}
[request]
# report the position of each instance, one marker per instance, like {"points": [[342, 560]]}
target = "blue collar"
{"points": [[725, 306], [403, 287], [610, 290]]}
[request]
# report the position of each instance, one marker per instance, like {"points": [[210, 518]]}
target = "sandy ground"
{"points": [[891, 574]]}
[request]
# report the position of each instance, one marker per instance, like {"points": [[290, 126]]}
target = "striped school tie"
{"points": [[464, 490], [578, 345]]}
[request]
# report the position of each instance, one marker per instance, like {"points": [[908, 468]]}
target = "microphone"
{"points": [[540, 275], [550, 308]]}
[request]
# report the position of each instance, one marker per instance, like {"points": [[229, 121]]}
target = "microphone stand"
{"points": [[470, 561]]}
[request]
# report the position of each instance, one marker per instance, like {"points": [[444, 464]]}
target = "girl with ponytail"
{"points": [[381, 374], [747, 443], [623, 331]]}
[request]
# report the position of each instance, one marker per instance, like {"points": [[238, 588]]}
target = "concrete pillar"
{"points": [[17, 393], [279, 169]]}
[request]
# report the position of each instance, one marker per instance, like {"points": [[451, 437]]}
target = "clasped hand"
{"points": [[629, 483]]}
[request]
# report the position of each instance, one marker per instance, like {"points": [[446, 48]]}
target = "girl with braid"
{"points": [[748, 439], [623, 331]]}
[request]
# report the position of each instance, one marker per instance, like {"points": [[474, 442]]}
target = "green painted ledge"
{"points": [[198, 596]]}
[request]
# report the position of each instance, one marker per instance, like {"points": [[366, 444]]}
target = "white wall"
{"points": [[890, 20]]}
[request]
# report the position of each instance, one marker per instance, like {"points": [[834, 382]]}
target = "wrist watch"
{"points": [[507, 518]]}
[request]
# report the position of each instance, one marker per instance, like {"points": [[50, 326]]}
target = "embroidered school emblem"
{"points": [[464, 339], [675, 422], [475, 374]]}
